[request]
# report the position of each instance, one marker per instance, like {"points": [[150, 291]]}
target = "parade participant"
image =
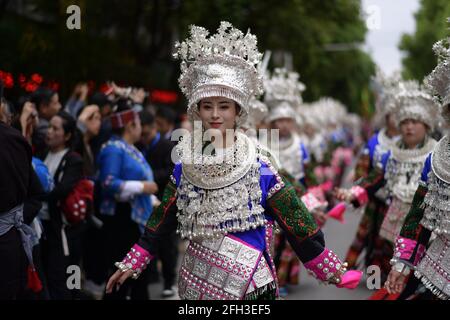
{"points": [[402, 165], [430, 210], [376, 248], [283, 96], [228, 196], [339, 153], [310, 132], [258, 111], [126, 181]]}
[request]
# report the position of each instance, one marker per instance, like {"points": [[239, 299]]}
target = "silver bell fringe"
{"points": [[430, 286], [436, 216], [260, 291]]}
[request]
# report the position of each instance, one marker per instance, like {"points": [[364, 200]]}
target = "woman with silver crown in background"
{"points": [[430, 211], [283, 96], [376, 249], [400, 168], [227, 194]]}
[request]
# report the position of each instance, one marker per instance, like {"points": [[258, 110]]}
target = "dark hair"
{"points": [[147, 119], [69, 127], [100, 99], [42, 96], [167, 113]]}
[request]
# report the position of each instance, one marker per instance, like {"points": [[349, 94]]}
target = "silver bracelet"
{"points": [[402, 268], [124, 268]]}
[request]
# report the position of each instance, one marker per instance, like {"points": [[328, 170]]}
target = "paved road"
{"points": [[338, 238]]}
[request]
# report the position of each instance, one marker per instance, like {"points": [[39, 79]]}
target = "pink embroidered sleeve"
{"points": [[329, 268], [404, 249], [137, 260]]}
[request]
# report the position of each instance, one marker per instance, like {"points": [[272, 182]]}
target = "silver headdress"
{"points": [[283, 94], [385, 87], [220, 65], [413, 102], [257, 112], [438, 81], [331, 111]]}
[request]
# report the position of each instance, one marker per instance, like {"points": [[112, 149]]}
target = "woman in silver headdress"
{"points": [[283, 97], [376, 249], [226, 193], [400, 168], [430, 210]]}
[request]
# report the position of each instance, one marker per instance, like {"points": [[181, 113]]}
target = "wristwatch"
{"points": [[402, 268]]}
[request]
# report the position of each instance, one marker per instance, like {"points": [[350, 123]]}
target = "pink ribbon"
{"points": [[338, 212], [350, 279]]}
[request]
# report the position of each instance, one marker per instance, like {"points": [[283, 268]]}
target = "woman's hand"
{"points": [[28, 119], [118, 278], [83, 92], [395, 282], [88, 113], [343, 195], [138, 95], [155, 202], [150, 187]]}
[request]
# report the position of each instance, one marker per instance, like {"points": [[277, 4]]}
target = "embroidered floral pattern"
{"points": [[292, 213], [169, 199]]}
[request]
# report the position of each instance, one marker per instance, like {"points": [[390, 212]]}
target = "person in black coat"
{"points": [[158, 150], [61, 242], [19, 186]]}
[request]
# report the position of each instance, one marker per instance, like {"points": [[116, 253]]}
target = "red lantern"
{"points": [[164, 96], [8, 81], [31, 87], [36, 78]]}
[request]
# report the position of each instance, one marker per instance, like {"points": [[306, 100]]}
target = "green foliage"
{"points": [[133, 40], [302, 28], [431, 26]]}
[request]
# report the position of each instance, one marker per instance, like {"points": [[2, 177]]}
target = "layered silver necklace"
{"points": [[404, 168], [291, 156], [219, 193]]}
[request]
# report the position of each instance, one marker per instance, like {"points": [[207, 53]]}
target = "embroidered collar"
{"points": [[413, 155]]}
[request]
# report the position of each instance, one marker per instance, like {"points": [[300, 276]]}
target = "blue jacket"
{"points": [[119, 162]]}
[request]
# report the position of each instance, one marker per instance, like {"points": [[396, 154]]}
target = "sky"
{"points": [[387, 20]]}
